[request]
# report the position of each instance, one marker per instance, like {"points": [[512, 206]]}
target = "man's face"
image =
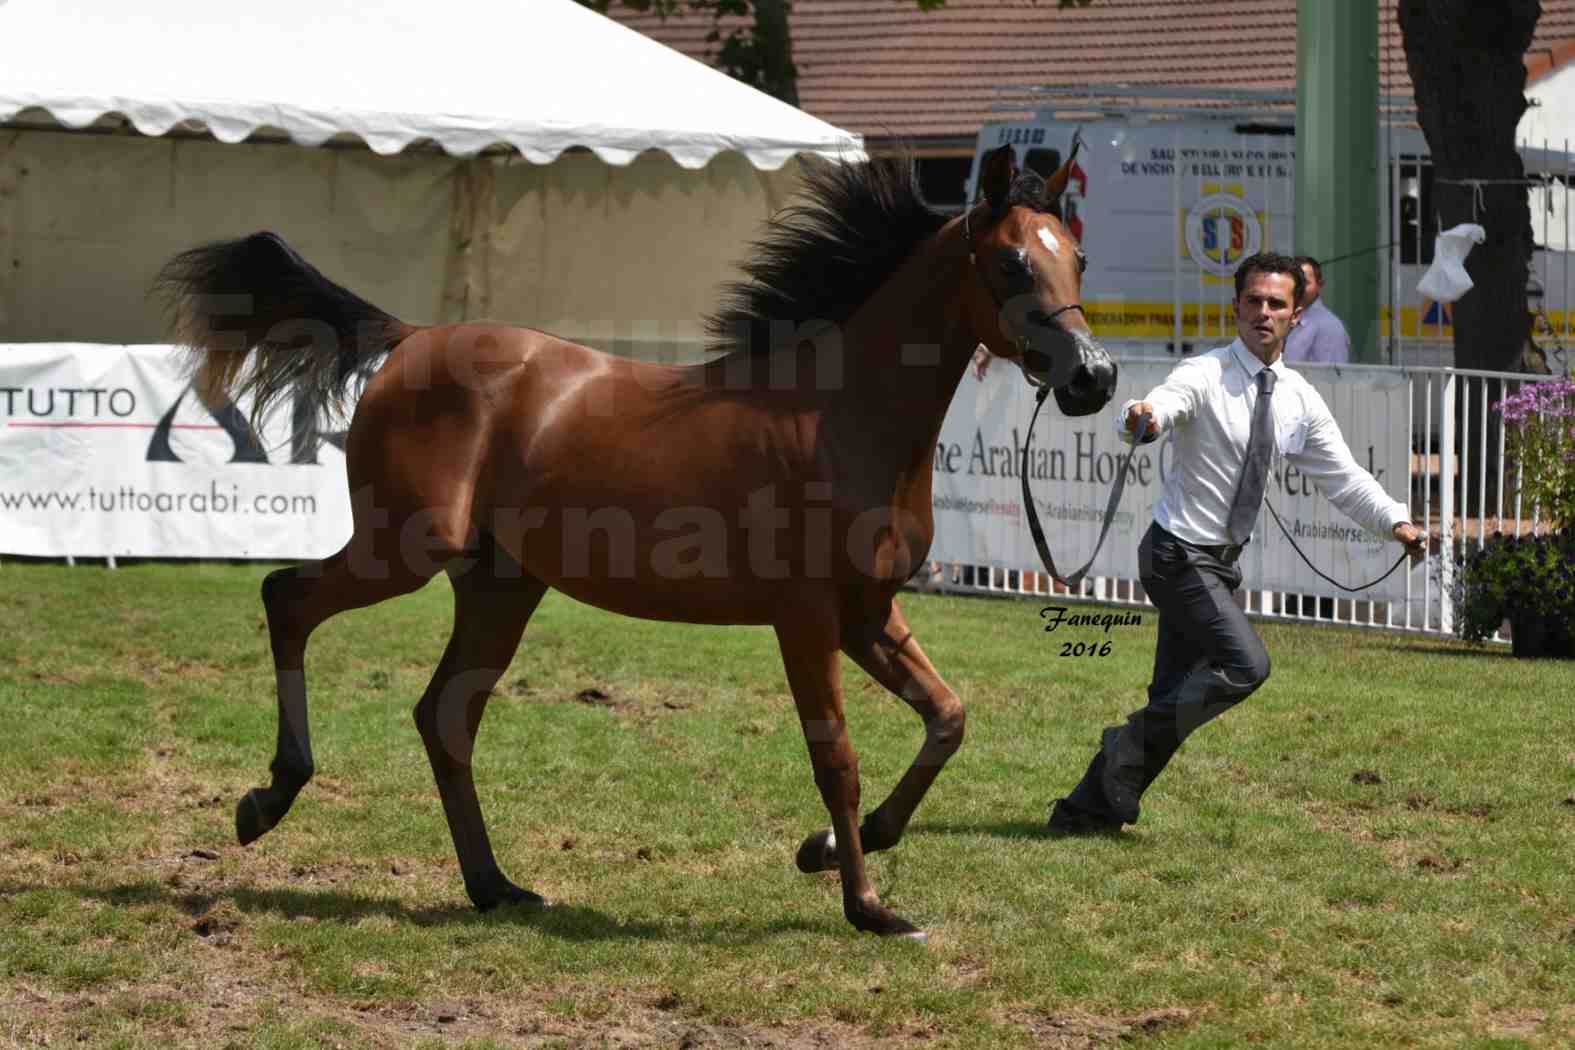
{"points": [[1312, 289], [1265, 311]]}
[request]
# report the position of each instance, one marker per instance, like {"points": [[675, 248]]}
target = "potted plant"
{"points": [[1530, 580], [1527, 580]]}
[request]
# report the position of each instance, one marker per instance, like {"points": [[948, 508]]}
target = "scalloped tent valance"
{"points": [[539, 75]]}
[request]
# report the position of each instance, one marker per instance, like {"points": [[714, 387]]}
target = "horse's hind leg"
{"points": [[297, 601], [891, 655], [493, 600]]}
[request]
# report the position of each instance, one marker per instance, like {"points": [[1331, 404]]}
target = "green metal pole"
{"points": [[1337, 160]]}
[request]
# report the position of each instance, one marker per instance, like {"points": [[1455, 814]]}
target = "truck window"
{"points": [[1418, 224], [943, 181], [1043, 162]]}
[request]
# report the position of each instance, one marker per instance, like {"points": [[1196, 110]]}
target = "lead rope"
{"points": [[1360, 587], [1118, 486], [1116, 489]]}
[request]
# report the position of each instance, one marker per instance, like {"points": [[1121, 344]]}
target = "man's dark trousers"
{"points": [[1208, 658]]}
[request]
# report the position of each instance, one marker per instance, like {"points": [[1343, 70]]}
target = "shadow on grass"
{"points": [[1457, 654], [1024, 829], [565, 922]]}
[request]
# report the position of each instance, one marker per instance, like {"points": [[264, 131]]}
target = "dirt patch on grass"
{"points": [[156, 669], [1422, 802], [1403, 852], [220, 1008], [1513, 1023], [1333, 819], [1077, 1030]]}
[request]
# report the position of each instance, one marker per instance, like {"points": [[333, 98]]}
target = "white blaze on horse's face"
{"points": [[1036, 284]]}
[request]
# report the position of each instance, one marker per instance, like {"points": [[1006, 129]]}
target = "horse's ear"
{"points": [[997, 169], [1057, 184]]}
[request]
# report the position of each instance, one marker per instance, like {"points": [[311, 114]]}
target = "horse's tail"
{"points": [[258, 319]]}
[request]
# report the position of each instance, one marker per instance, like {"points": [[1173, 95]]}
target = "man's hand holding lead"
{"points": [[1415, 540], [1135, 412]]}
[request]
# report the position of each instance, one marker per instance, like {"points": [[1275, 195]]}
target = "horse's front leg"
{"points": [[808, 638], [886, 648]]}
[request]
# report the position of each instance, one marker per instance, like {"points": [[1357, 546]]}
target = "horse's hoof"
{"points": [[519, 898], [250, 824], [522, 899], [505, 892], [896, 926], [818, 853], [883, 922]]}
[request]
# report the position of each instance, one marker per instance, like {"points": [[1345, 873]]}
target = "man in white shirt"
{"points": [[1318, 337], [1230, 410]]}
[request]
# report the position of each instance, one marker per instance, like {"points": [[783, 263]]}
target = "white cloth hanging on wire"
{"points": [[1446, 280]]}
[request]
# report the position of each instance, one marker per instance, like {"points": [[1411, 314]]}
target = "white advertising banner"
{"points": [[979, 518], [105, 451]]}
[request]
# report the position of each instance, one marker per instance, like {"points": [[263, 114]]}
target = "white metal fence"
{"points": [[1458, 485]]}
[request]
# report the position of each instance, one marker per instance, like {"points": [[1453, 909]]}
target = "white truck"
{"points": [[1166, 208]]}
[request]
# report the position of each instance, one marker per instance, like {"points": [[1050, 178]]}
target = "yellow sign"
{"points": [[1157, 320]]}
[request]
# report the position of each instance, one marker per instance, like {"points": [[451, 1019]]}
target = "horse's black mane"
{"points": [[822, 258]]}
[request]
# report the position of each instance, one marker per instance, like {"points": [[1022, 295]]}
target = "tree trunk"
{"points": [[774, 44], [761, 53], [1467, 63]]}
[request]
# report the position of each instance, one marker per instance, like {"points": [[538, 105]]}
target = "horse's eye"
{"points": [[1082, 263]]}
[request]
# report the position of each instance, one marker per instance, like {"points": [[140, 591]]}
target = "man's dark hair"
{"points": [[1271, 262], [1310, 262]]}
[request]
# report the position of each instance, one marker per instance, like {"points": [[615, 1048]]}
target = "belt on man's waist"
{"points": [[1223, 552]]}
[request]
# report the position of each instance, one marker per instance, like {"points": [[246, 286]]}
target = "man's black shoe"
{"points": [[1121, 794], [1066, 820]]}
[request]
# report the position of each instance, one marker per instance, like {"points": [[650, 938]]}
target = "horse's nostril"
{"points": [[1101, 375], [1084, 380]]}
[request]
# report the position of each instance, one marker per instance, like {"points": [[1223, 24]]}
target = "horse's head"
{"points": [[1028, 273]]}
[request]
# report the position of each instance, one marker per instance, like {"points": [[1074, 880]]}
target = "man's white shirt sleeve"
{"points": [[1175, 400], [1327, 460]]}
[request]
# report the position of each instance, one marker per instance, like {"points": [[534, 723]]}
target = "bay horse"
{"points": [[785, 482]]}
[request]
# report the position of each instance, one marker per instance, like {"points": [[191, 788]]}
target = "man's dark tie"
{"points": [[1255, 471]]}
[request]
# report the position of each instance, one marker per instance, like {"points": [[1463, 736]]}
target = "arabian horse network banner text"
{"points": [[104, 450], [979, 518]]}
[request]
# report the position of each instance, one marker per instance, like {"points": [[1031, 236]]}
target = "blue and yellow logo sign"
{"points": [[1220, 230]]}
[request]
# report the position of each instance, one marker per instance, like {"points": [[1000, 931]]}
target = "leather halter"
{"points": [[1021, 340], [1035, 529]]}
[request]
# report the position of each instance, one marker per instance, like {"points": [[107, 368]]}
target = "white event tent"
{"points": [[528, 160]]}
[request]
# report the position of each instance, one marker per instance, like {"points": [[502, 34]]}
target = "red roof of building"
{"points": [[888, 70]]}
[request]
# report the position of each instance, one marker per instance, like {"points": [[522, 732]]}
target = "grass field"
{"points": [[1375, 850]]}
